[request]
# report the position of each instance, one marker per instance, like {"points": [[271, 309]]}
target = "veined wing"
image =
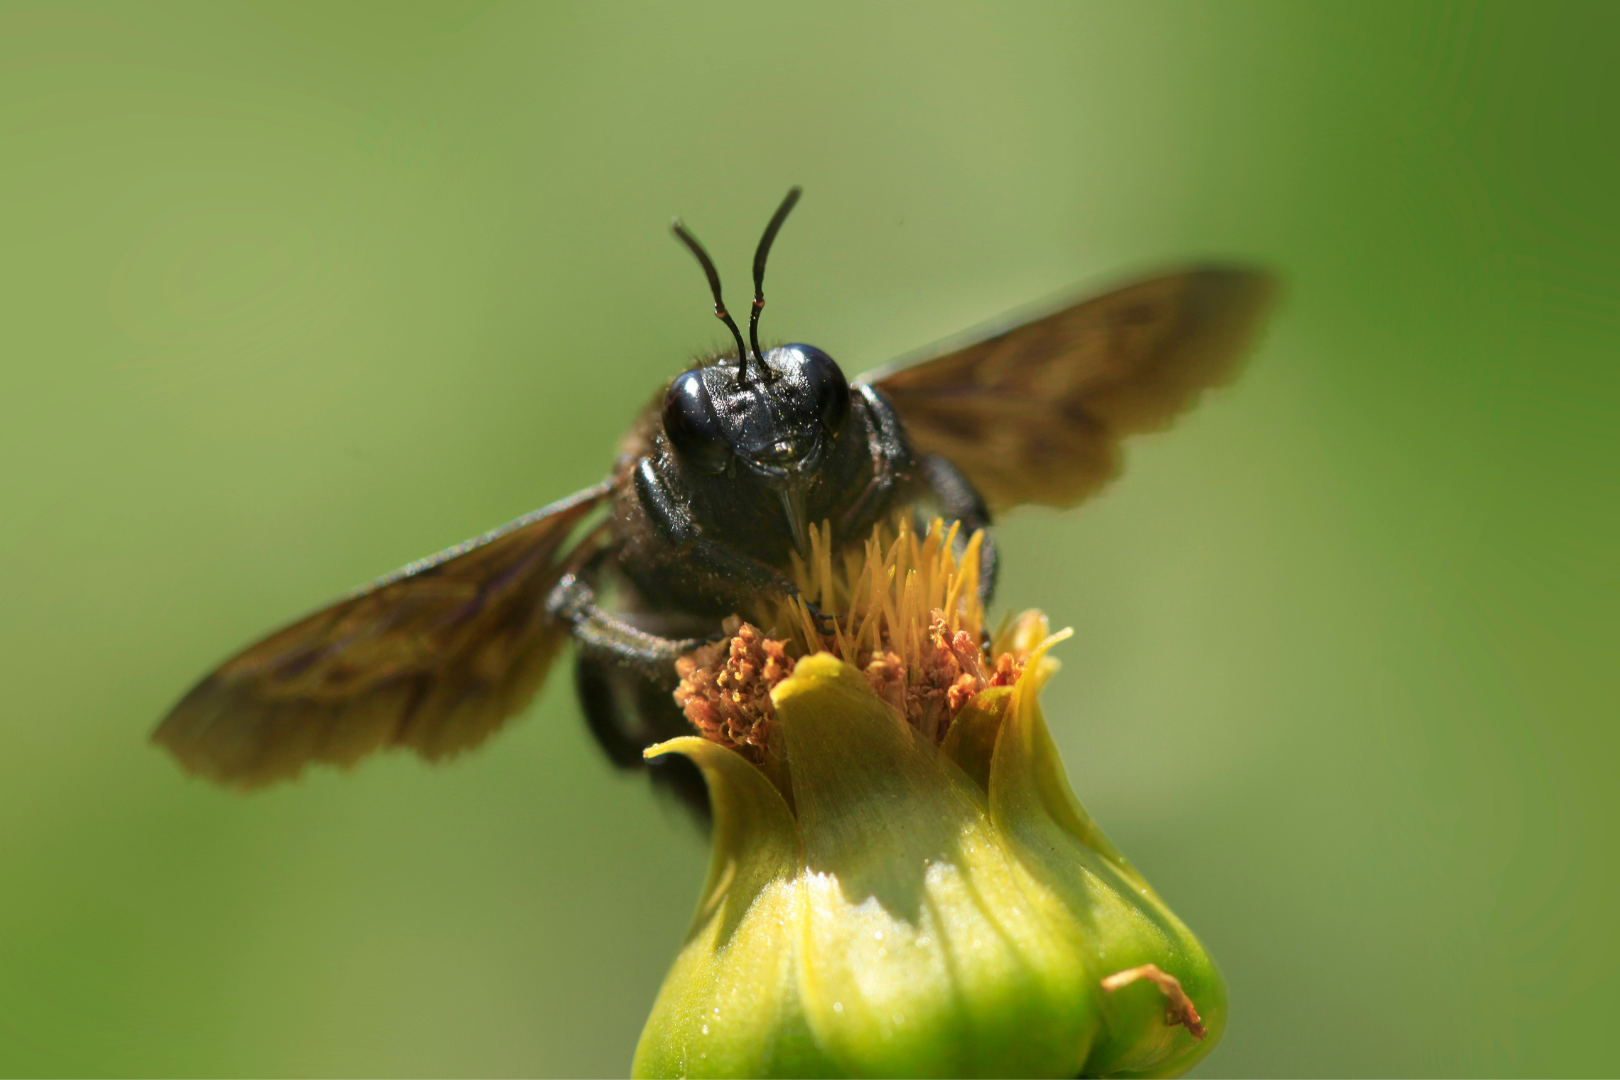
{"points": [[435, 656], [1035, 412]]}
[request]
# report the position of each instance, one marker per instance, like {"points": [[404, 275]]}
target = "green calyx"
{"points": [[920, 910]]}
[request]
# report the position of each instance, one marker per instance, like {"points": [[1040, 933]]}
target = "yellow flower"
{"points": [[903, 882]]}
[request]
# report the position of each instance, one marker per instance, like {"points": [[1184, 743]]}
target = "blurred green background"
{"points": [[293, 293]]}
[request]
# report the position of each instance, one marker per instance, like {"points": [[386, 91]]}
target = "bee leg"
{"points": [[607, 636], [626, 713], [604, 714], [891, 461], [959, 501]]}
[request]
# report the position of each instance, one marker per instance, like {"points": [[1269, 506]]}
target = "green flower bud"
{"points": [[889, 900]]}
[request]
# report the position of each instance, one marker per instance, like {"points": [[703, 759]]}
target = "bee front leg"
{"points": [[891, 463], [603, 634]]}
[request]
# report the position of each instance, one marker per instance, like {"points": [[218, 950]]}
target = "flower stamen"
{"points": [[910, 619], [725, 688]]}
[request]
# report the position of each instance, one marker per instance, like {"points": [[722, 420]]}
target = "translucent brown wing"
{"points": [[434, 657], [1034, 412]]}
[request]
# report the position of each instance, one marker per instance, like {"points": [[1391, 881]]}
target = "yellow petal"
{"points": [[729, 1005], [971, 740], [1124, 921], [927, 949]]}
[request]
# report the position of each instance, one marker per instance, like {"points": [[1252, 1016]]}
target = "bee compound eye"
{"points": [[693, 429], [827, 382]]}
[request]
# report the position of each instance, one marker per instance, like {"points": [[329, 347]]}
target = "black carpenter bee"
{"points": [[714, 488]]}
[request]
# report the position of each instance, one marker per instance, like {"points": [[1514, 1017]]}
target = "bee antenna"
{"points": [[760, 253], [720, 311]]}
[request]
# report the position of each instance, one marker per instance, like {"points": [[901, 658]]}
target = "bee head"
{"points": [[775, 412], [776, 418]]}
